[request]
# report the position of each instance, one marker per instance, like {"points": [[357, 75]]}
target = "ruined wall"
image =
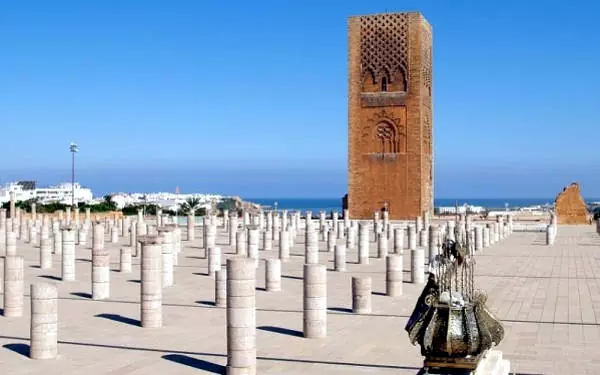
{"points": [[570, 207], [390, 130]]}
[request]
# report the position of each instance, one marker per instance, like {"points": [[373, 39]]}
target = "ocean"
{"points": [[328, 204]]}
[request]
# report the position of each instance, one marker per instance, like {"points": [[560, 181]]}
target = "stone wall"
{"points": [[390, 132], [570, 206]]}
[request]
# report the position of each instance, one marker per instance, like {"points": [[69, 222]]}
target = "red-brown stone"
{"points": [[570, 207]]}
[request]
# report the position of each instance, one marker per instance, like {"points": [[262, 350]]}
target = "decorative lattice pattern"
{"points": [[427, 63], [384, 43]]}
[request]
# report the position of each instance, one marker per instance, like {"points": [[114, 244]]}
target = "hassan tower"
{"points": [[390, 130]]}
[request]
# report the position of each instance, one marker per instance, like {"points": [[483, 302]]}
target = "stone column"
{"points": [[284, 246], [486, 236], [166, 239], [497, 236], [68, 215], [361, 294], [398, 240], [221, 287], [151, 286], [273, 275], [478, 238], [423, 237], [315, 301], [339, 258], [100, 270], [267, 239], [382, 245], [191, 225], [125, 260], [68, 254], [432, 242], [240, 243], [76, 214], [363, 243], [214, 260], [417, 266], [210, 232], [393, 275], [11, 243], [412, 238], [311, 248], [330, 234], [98, 237], [550, 234], [253, 239], [114, 234], [13, 286], [351, 238], [45, 254], [233, 227], [241, 317], [57, 242], [44, 321]]}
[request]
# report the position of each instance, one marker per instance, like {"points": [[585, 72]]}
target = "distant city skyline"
{"points": [[250, 99]]}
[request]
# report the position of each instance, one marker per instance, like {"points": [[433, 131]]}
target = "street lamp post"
{"points": [[73, 148]]}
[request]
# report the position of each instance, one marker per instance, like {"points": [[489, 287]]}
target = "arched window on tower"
{"points": [[384, 84], [387, 137]]}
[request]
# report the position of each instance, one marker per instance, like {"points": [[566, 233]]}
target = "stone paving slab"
{"points": [[547, 297]]}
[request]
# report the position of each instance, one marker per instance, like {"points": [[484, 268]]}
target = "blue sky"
{"points": [[250, 98]]}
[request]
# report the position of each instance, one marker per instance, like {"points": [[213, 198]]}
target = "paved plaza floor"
{"points": [[548, 298]]}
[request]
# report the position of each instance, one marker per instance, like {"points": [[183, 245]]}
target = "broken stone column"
{"points": [[284, 246], [398, 240], [418, 224], [339, 258], [351, 238], [241, 316], [330, 234], [13, 286], [98, 237], [423, 237], [382, 245], [151, 282], [45, 254], [191, 228], [253, 239], [315, 301], [240, 242], [12, 205], [57, 242], [486, 236], [267, 240], [417, 266], [100, 271], [114, 234], [68, 254], [550, 234], [233, 227], [11, 243], [361, 294], [125, 260], [412, 237], [478, 238], [311, 248], [500, 221], [393, 275], [273, 275], [432, 242], [221, 287], [210, 235], [363, 243], [44, 321], [214, 260], [68, 215], [497, 237], [166, 239]]}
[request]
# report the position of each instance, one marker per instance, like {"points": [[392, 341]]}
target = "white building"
{"points": [[461, 209], [61, 193]]}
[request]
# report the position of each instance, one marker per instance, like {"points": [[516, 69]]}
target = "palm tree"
{"points": [[190, 206], [109, 202]]}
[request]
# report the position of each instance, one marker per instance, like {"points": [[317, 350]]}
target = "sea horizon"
{"points": [[327, 204]]}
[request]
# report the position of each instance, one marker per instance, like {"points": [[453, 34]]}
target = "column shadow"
{"points": [[82, 295], [283, 331], [196, 363], [22, 349], [120, 319]]}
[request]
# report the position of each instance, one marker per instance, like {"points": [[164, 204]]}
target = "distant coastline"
{"points": [[328, 204]]}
